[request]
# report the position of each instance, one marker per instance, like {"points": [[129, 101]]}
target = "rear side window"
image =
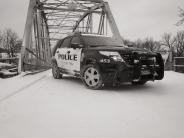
{"points": [[66, 43]]}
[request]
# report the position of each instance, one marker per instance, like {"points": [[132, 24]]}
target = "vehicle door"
{"points": [[75, 50], [68, 57], [61, 55]]}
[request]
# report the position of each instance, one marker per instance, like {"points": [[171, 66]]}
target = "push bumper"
{"points": [[138, 71]]}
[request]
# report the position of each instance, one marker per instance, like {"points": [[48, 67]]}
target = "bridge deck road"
{"points": [[39, 106]]}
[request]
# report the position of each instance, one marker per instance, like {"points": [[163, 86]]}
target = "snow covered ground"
{"points": [[38, 106]]}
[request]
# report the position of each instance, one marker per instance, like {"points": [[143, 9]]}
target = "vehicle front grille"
{"points": [[128, 58], [144, 60]]}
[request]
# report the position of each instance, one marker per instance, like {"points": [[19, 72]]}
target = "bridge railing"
{"points": [[179, 64]]}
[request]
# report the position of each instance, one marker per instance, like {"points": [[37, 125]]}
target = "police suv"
{"points": [[100, 61]]}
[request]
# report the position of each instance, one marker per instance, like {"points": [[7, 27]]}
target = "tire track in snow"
{"points": [[21, 89]]}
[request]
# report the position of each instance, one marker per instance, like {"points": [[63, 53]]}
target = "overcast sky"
{"points": [[135, 18]]}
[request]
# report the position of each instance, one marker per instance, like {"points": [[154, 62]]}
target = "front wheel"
{"points": [[55, 71], [92, 77]]}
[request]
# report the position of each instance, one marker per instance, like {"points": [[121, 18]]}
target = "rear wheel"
{"points": [[92, 77], [55, 71]]}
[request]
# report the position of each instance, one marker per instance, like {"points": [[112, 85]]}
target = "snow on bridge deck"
{"points": [[38, 106]]}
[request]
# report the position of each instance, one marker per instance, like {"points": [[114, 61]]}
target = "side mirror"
{"points": [[75, 45]]}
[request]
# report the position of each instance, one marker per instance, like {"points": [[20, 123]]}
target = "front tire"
{"points": [[55, 71], [92, 77]]}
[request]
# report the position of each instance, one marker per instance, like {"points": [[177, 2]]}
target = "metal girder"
{"points": [[63, 9], [27, 32], [51, 20], [91, 10], [34, 30], [96, 1], [107, 11], [112, 23]]}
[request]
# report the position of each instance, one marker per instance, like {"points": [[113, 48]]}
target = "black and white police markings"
{"points": [[69, 59], [67, 56]]}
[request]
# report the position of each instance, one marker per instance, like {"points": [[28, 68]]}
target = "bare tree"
{"points": [[179, 43], [9, 41], [151, 45], [168, 41], [181, 15], [128, 43], [179, 38], [138, 43], [17, 47]]}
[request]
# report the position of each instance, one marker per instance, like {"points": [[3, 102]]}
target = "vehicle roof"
{"points": [[88, 34], [95, 35]]}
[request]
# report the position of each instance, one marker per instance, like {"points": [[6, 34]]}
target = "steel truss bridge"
{"points": [[50, 20]]}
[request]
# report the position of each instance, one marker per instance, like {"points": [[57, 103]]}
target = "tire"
{"points": [[92, 77], [139, 82], [55, 71]]}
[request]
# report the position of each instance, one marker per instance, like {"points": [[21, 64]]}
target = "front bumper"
{"points": [[148, 69]]}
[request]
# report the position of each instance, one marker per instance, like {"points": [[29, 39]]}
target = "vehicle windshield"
{"points": [[95, 41]]}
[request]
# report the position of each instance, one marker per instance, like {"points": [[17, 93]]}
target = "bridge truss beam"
{"points": [[51, 20]]}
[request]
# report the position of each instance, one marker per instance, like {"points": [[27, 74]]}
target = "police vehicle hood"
{"points": [[122, 49]]}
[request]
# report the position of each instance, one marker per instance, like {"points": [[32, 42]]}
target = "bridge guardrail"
{"points": [[179, 64]]}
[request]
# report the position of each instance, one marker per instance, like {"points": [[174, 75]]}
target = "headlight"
{"points": [[113, 55]]}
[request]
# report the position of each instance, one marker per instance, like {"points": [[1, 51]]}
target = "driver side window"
{"points": [[66, 43], [76, 42]]}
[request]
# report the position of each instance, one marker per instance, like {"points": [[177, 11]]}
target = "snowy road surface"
{"points": [[39, 106]]}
